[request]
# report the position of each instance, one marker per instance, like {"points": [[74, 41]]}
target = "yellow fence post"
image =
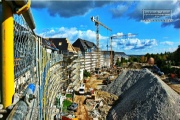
{"points": [[7, 56], [0, 53]]}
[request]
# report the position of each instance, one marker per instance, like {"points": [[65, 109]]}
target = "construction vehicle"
{"points": [[97, 23], [115, 37], [82, 89]]}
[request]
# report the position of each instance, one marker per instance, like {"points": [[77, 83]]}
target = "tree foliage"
{"points": [[86, 73], [164, 61], [118, 63]]}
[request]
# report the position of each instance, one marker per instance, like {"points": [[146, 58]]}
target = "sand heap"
{"points": [[143, 96]]}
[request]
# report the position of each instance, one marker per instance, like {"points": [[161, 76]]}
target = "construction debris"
{"points": [[107, 97]]}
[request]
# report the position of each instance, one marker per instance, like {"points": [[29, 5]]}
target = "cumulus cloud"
{"points": [[114, 44], [135, 10], [135, 43], [167, 43], [145, 22], [119, 10], [129, 42], [68, 8], [171, 49], [71, 33], [152, 5], [128, 47]]}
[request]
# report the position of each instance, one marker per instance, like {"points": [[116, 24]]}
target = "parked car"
{"points": [[73, 107]]}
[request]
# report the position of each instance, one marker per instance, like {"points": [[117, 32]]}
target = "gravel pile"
{"points": [[143, 96]]}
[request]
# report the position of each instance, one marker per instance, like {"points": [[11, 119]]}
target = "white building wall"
{"points": [[91, 60]]}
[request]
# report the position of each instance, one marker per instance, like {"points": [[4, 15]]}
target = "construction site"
{"points": [[44, 78]]}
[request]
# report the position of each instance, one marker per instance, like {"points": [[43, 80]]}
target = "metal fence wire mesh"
{"points": [[24, 50]]}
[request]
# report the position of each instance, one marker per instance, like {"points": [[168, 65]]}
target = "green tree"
{"points": [[177, 57], [118, 63], [148, 56], [86, 73]]}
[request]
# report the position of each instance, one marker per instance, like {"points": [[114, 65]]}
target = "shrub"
{"points": [[86, 73]]}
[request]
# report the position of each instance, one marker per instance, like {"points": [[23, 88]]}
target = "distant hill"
{"points": [[135, 55]]}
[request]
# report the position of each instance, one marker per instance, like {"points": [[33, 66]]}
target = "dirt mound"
{"points": [[109, 98], [143, 95], [135, 65]]}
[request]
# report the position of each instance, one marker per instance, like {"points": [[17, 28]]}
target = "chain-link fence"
{"points": [[24, 53], [40, 72], [34, 65]]}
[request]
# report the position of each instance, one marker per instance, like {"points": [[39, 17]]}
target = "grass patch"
{"points": [[68, 95], [66, 103]]}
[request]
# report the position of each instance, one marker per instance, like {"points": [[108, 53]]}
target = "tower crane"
{"points": [[115, 37], [97, 23]]}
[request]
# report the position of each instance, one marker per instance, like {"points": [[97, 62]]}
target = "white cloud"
{"points": [[128, 47], [119, 10], [155, 5], [177, 10], [52, 31], [171, 49], [167, 43], [145, 22], [117, 45], [129, 42], [72, 34], [114, 44], [118, 34], [135, 43]]}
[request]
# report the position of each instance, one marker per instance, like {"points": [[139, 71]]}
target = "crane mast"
{"points": [[97, 23]]}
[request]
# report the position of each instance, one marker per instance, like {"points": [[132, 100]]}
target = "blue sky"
{"points": [[71, 19]]}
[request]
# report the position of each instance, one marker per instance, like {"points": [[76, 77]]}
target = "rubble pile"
{"points": [[107, 97], [100, 106], [142, 95]]}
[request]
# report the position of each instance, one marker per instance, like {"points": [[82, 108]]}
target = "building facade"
{"points": [[120, 55], [89, 58]]}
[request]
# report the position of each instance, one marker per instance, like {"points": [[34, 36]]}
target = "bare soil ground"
{"points": [[81, 113], [175, 87], [93, 83]]}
